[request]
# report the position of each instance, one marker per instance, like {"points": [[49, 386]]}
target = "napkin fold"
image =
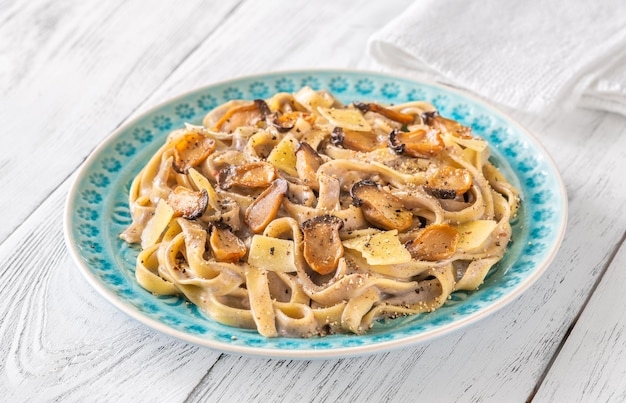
{"points": [[533, 55]]}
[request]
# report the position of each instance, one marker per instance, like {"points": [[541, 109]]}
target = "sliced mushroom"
{"points": [[442, 124], [428, 116], [283, 102], [243, 115], [322, 245], [188, 203], [379, 207], [418, 143], [444, 194], [449, 182], [357, 141], [190, 150], [225, 245], [263, 210], [336, 136], [399, 117], [262, 107], [308, 162], [435, 242], [287, 121], [252, 175]]}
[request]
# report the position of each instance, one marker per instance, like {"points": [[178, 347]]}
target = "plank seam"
{"points": [[567, 334], [123, 120], [197, 389]]}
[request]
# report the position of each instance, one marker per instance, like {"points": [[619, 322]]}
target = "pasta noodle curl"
{"points": [[300, 216]]}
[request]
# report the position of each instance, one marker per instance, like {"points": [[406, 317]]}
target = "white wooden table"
{"points": [[72, 71]]}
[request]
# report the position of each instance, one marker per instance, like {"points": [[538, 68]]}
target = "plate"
{"points": [[97, 212]]}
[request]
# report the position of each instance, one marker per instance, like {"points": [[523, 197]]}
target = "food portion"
{"points": [[300, 216]]}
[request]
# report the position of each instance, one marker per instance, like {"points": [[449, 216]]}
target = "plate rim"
{"points": [[311, 353]]}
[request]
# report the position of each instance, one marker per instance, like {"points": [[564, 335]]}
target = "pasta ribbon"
{"points": [[299, 216]]}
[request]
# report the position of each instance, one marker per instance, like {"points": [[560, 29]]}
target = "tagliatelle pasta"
{"points": [[300, 216]]}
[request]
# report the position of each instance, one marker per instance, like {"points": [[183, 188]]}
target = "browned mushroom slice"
{"points": [[379, 207], [287, 121], [399, 117], [418, 143], [188, 203], [190, 150], [226, 246], [308, 162], [442, 124], [357, 141], [243, 115], [449, 182], [435, 242], [322, 245], [252, 175], [263, 210]]}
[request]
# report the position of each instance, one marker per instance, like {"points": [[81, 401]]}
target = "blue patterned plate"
{"points": [[97, 211]]}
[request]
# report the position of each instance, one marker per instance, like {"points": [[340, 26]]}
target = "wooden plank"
{"points": [[71, 72], [502, 357], [287, 35], [60, 340], [498, 359], [45, 354], [596, 347]]}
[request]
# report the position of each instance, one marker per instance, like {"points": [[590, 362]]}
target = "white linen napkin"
{"points": [[533, 55]]}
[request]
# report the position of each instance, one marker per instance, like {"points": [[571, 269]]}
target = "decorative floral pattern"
{"points": [[87, 213], [441, 102], [125, 148], [207, 102], [543, 215], [285, 85], [93, 246], [111, 165], [142, 134], [99, 180], [161, 122], [513, 149], [461, 112], [88, 230], [499, 135], [390, 90], [259, 90], [338, 85], [231, 93], [185, 111], [365, 86], [536, 181], [312, 82], [99, 264], [91, 196], [527, 164], [416, 94], [98, 212], [481, 123]]}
